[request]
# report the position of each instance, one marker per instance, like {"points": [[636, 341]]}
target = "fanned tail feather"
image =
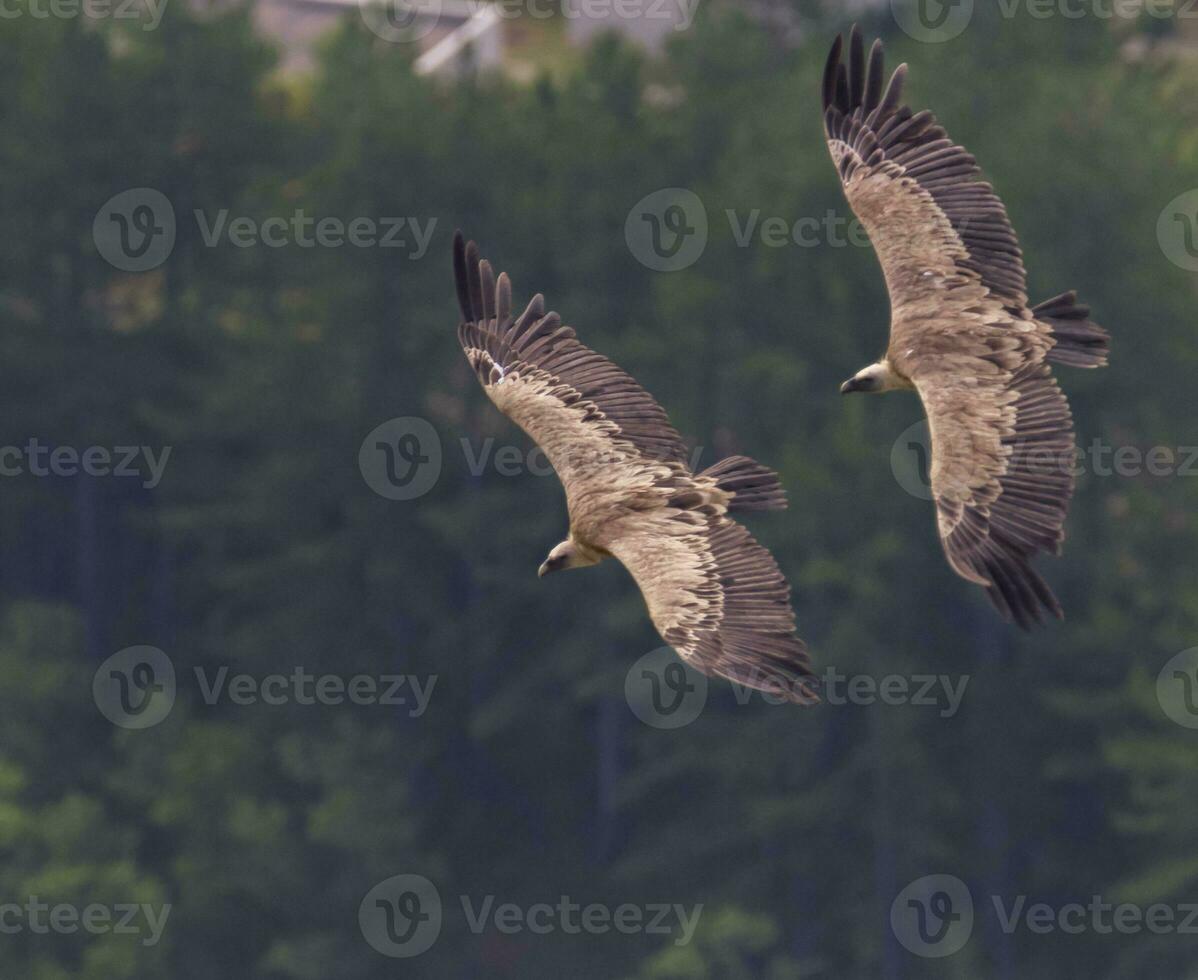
{"points": [[752, 485], [1080, 342]]}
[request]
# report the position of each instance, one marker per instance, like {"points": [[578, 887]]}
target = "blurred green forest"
{"points": [[263, 549]]}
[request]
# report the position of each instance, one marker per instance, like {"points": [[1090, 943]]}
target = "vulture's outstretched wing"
{"points": [[583, 411], [1001, 474], [961, 331], [934, 224], [718, 598], [713, 592]]}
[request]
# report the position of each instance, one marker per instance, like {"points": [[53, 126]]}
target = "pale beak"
{"points": [[543, 570], [850, 385]]}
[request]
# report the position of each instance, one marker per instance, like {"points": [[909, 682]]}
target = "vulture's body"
{"points": [[962, 334], [712, 591]]}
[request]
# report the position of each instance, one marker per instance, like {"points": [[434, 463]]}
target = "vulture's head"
{"points": [[876, 377], [565, 555]]}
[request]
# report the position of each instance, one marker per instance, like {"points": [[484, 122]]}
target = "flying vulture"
{"points": [[962, 334], [715, 594]]}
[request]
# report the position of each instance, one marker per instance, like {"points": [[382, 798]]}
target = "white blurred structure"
{"points": [[448, 34], [476, 42]]}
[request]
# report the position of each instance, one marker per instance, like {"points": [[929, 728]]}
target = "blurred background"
{"points": [[282, 695]]}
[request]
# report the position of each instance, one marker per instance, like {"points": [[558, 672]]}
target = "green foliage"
{"points": [[263, 550]]}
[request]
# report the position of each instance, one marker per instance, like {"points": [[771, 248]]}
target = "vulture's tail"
{"points": [[1079, 341], [753, 486]]}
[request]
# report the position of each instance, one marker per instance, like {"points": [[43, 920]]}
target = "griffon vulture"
{"points": [[715, 595], [962, 334]]}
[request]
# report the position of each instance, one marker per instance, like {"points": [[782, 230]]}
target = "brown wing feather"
{"points": [[718, 598], [869, 137], [535, 349], [962, 333], [1002, 477]]}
